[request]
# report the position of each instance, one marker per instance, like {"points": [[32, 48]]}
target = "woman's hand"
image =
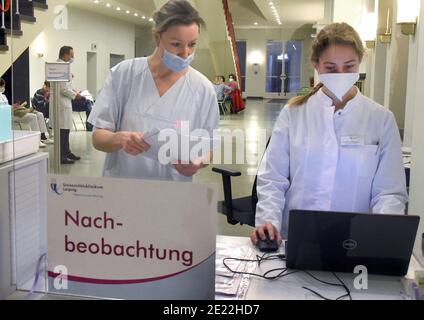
{"points": [[132, 142], [259, 233], [190, 169], [187, 170]]}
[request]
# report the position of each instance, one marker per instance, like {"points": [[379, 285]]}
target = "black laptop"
{"points": [[338, 241]]}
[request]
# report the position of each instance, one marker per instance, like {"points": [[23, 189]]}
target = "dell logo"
{"points": [[350, 244]]}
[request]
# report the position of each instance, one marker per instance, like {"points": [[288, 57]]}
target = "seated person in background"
{"points": [[24, 115], [33, 118], [235, 97], [41, 99], [84, 105], [232, 82], [221, 88]]}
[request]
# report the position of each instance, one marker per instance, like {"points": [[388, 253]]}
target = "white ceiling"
{"points": [[245, 12], [291, 12], [141, 7]]}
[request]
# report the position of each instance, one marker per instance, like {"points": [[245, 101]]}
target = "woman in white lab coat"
{"points": [[158, 92], [332, 150]]}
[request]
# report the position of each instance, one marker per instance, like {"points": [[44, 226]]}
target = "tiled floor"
{"points": [[258, 115]]}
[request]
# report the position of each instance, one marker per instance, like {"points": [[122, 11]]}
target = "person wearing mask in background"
{"points": [[67, 94], [157, 92], [333, 149], [235, 96]]}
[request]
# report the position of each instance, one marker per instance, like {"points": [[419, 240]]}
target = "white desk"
{"points": [[290, 287]]}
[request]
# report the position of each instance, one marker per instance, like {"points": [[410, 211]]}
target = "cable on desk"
{"points": [[284, 272]]}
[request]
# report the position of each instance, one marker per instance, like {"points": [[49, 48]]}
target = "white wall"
{"points": [[144, 44], [84, 29], [257, 41], [416, 93]]}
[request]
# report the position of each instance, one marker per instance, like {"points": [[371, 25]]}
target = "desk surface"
{"points": [[290, 287]]}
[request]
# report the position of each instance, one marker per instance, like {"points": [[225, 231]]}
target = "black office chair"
{"points": [[240, 210]]}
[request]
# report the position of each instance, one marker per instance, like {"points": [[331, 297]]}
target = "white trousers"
{"points": [[35, 120]]}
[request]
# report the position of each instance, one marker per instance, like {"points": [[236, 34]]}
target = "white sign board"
{"points": [[58, 72], [131, 239]]}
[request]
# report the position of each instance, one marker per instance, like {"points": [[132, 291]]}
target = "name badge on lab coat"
{"points": [[352, 141]]}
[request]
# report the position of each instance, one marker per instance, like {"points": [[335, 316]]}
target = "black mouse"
{"points": [[267, 245]]}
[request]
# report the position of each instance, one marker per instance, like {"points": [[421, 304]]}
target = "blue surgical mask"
{"points": [[176, 63], [71, 60]]}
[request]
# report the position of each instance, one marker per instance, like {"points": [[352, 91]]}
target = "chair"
{"points": [[18, 124], [82, 120], [222, 108], [240, 210]]}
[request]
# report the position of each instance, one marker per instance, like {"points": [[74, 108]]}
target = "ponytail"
{"points": [[298, 101]]}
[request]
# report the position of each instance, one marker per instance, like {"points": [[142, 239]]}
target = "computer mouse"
{"points": [[267, 245]]}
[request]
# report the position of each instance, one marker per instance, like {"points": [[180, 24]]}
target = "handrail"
{"points": [[230, 28], [5, 5]]}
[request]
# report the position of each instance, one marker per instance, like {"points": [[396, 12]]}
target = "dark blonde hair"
{"points": [[332, 34], [176, 12]]}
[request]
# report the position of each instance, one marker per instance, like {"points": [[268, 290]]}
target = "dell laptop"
{"points": [[338, 241]]}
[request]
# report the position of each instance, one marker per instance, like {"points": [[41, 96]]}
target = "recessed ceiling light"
{"points": [[96, 1], [118, 8], [136, 14], [128, 12], [143, 17], [108, 5], [151, 19]]}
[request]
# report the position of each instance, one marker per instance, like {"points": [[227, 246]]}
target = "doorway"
{"points": [[284, 69], [116, 59]]}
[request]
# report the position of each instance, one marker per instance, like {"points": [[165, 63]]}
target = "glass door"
{"points": [[284, 66]]}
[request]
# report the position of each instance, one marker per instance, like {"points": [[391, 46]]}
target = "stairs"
{"points": [[21, 11], [232, 35]]}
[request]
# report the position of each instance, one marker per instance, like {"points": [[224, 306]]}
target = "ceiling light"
{"points": [[108, 5], [255, 23], [128, 12], [118, 8], [143, 17], [136, 14]]}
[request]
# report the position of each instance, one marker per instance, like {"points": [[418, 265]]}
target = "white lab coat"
{"points": [[67, 94], [348, 161], [129, 101]]}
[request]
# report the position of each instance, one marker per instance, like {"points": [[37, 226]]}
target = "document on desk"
{"points": [[230, 285]]}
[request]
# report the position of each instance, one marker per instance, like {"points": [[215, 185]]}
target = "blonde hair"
{"points": [[175, 12], [332, 34]]}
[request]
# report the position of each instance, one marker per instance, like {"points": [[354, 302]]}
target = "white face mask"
{"points": [[2, 90], [339, 83]]}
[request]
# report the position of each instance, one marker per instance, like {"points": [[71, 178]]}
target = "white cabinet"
{"points": [[23, 221]]}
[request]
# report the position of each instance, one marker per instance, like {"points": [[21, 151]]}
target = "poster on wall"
{"points": [[131, 239]]}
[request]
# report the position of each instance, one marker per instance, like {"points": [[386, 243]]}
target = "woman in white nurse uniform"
{"points": [[332, 150], [155, 93]]}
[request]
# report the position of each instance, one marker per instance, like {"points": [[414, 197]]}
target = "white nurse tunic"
{"points": [[129, 101], [317, 159]]}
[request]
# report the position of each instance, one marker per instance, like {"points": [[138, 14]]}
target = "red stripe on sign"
{"points": [[105, 281]]}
